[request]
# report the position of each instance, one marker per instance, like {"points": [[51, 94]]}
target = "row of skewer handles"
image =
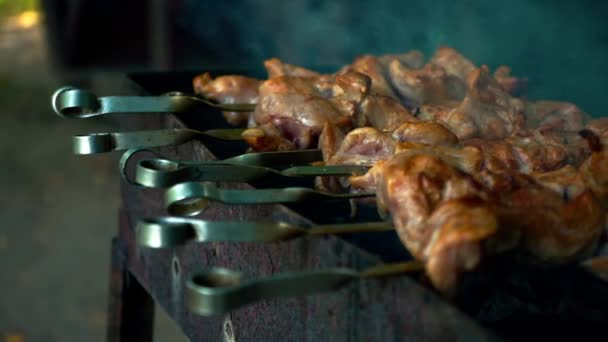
{"points": [[190, 187]]}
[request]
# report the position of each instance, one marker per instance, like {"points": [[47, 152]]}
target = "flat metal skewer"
{"points": [[162, 173], [107, 142], [170, 231], [221, 290], [191, 198], [261, 159], [73, 103]]}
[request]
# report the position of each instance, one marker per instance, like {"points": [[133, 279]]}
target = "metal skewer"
{"points": [[261, 159], [191, 198], [107, 142], [221, 290], [162, 173], [166, 232], [73, 103]]}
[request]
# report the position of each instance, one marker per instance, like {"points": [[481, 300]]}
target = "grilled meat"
{"points": [[449, 217], [553, 115], [275, 67], [228, 90], [292, 111], [464, 168], [532, 153]]}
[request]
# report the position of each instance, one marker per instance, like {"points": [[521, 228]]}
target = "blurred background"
{"points": [[59, 210]]}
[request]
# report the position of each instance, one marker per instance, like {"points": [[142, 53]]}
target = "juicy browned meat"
{"points": [[486, 111], [376, 71], [448, 219], [431, 84], [413, 59], [595, 169], [425, 132], [553, 229], [295, 109], [512, 85], [275, 67], [467, 159], [553, 115], [599, 126], [438, 212], [567, 181], [330, 139], [382, 112], [453, 63], [363, 146], [228, 89]]}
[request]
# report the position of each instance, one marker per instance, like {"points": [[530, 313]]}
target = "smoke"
{"points": [[560, 46]]}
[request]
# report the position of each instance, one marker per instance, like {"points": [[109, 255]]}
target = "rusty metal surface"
{"points": [[396, 308]]}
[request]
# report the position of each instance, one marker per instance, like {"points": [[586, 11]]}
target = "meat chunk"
{"points": [[535, 151], [449, 219], [425, 132], [383, 112], [230, 89], [598, 126], [567, 181], [553, 229], [554, 115], [364, 146], [330, 140], [487, 110], [275, 67], [413, 59], [453, 63], [467, 159], [437, 212], [376, 71], [431, 84], [295, 109], [512, 85]]}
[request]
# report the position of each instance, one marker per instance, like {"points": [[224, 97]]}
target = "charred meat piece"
{"points": [[453, 63], [376, 71], [413, 59], [487, 111], [382, 112], [363, 146], [431, 84], [439, 213], [425, 132], [554, 115], [295, 110], [228, 89], [371, 144], [298, 108], [275, 67], [450, 220], [535, 151], [598, 126], [511, 84], [553, 229]]}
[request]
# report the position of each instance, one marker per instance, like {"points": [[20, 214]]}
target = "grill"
{"points": [[504, 299]]}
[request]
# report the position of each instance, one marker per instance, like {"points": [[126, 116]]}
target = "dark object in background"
{"points": [[108, 35]]}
